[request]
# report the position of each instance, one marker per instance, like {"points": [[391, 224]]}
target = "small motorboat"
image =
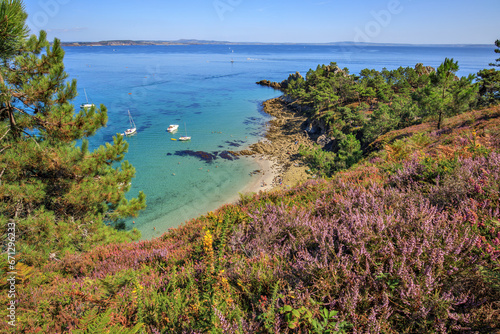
{"points": [[172, 127]]}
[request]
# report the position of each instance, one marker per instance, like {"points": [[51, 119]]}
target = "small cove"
{"points": [[220, 104]]}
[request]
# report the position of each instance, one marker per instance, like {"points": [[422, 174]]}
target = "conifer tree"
{"points": [[14, 31], [497, 50], [59, 196], [446, 94]]}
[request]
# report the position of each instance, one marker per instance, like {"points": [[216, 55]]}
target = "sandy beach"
{"points": [[278, 157]]}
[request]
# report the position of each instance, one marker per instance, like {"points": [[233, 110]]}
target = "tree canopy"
{"points": [[357, 109], [497, 50], [59, 195], [14, 30]]}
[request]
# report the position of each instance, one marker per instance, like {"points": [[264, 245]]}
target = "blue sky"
{"points": [[316, 21]]}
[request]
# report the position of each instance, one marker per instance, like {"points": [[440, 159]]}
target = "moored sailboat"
{"points": [[87, 104], [186, 137], [133, 129]]}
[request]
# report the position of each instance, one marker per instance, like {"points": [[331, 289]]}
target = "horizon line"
{"points": [[197, 42]]}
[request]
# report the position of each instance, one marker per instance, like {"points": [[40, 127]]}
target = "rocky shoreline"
{"points": [[285, 136]]}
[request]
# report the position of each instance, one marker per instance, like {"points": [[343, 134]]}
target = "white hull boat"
{"points": [[172, 128], [186, 137], [86, 105], [133, 128]]}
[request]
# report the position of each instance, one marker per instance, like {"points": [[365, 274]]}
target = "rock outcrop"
{"points": [[272, 84], [280, 85]]}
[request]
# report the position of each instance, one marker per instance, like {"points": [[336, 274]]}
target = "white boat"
{"points": [[172, 127], [133, 128], [87, 104], [186, 137]]}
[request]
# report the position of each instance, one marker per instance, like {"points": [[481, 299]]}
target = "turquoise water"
{"points": [[210, 92]]}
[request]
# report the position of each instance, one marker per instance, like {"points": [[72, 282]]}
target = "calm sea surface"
{"points": [[210, 92]]}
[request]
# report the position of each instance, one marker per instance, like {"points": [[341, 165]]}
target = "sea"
{"points": [[210, 91]]}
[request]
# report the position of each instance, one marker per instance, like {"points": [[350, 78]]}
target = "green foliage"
{"points": [[296, 318], [59, 196], [411, 252], [349, 152], [322, 162], [447, 95], [93, 322], [13, 29], [326, 163], [392, 283], [382, 121], [302, 318], [357, 110], [497, 50], [329, 324], [489, 86]]}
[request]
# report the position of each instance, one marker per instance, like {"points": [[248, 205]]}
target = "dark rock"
{"points": [[228, 155], [246, 152], [323, 141], [205, 156], [424, 70], [272, 84], [280, 85], [233, 143], [315, 127], [208, 157]]}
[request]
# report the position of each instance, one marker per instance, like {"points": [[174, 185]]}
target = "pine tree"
{"points": [[446, 94], [497, 50], [14, 31], [59, 196]]}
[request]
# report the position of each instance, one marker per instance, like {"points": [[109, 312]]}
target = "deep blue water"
{"points": [[211, 89]]}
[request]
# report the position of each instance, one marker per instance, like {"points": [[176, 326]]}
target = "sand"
{"points": [[263, 178], [278, 156]]}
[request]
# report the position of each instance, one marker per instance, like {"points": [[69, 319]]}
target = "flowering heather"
{"points": [[362, 248], [412, 247]]}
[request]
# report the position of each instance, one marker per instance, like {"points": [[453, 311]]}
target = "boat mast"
{"points": [[132, 124]]}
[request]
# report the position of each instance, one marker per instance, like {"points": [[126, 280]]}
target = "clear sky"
{"points": [[316, 21]]}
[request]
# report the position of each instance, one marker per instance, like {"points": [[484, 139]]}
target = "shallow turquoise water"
{"points": [[212, 90]]}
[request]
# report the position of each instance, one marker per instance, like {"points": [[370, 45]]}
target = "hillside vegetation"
{"points": [[402, 235], [349, 112], [408, 241]]}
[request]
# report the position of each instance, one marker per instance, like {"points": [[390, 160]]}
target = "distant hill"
{"points": [[211, 42]]}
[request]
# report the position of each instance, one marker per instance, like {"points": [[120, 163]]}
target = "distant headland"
{"points": [[210, 42]]}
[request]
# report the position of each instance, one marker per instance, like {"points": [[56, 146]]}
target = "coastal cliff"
{"points": [[419, 217], [396, 229]]}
